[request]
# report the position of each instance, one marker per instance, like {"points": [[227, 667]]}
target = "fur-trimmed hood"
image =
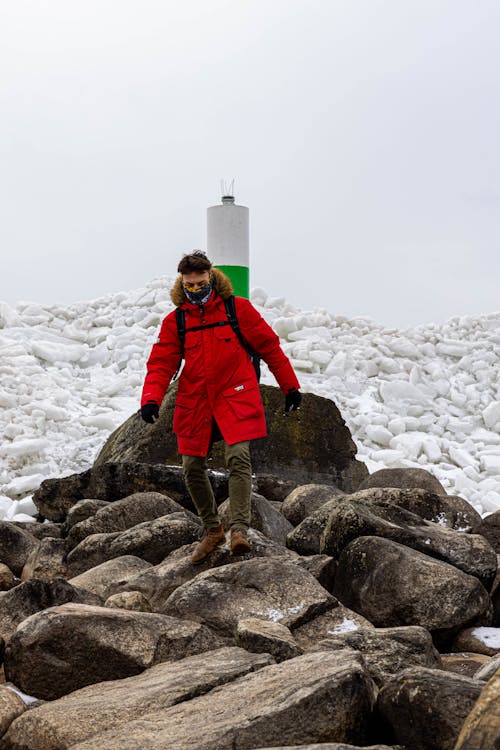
{"points": [[222, 285]]}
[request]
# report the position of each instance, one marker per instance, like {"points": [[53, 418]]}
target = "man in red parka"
{"points": [[218, 393]]}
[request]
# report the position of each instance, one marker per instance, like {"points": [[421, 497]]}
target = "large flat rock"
{"points": [[65, 648], [59, 724], [316, 697], [269, 588]]}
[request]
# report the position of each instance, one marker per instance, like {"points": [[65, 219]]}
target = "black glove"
{"points": [[292, 400], [150, 412]]}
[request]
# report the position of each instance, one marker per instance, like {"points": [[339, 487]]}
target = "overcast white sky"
{"points": [[362, 134]]}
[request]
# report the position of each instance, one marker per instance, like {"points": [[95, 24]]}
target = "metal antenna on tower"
{"points": [[227, 191]]}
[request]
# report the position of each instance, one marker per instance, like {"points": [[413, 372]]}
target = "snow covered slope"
{"points": [[427, 396]]}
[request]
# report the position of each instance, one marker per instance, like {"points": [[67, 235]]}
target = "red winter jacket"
{"points": [[218, 379]]}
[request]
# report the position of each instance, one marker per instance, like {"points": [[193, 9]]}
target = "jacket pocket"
{"points": [[244, 400], [184, 415]]}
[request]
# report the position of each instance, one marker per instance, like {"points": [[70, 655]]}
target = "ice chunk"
{"points": [[27, 506], [431, 449], [258, 296], [8, 316], [5, 505], [491, 416], [59, 352], [403, 347], [22, 517], [409, 443], [101, 421], [401, 391], [490, 463], [379, 434], [320, 357], [28, 447], [23, 485], [392, 458], [461, 457]]}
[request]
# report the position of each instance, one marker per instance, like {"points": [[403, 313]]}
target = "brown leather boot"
{"points": [[211, 538], [239, 542]]}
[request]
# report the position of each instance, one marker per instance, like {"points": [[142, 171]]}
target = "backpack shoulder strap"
{"points": [[233, 321], [180, 319], [231, 314]]}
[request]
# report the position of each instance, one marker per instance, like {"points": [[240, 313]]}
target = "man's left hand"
{"points": [[292, 400]]}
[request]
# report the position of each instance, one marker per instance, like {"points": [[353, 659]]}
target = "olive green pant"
{"points": [[237, 459]]}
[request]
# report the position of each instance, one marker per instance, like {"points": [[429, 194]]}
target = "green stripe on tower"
{"points": [[240, 279]]}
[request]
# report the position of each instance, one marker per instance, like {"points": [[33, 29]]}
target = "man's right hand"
{"points": [[150, 412]]}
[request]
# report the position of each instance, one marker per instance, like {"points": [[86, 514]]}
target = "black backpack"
{"points": [[232, 320]]}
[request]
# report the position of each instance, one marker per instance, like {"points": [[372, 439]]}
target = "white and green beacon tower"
{"points": [[228, 241]]}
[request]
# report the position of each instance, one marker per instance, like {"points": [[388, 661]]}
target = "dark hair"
{"points": [[195, 261]]}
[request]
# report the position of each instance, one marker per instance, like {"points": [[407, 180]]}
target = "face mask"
{"points": [[202, 295]]}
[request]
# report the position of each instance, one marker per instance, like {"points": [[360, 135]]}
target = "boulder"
{"points": [[264, 636], [97, 708], [160, 581], [265, 518], [112, 481], [80, 511], [312, 698], [387, 651], [152, 541], [404, 479], [271, 589], [46, 561], [305, 499], [335, 621], [464, 663], [129, 600], [305, 539], [490, 529], [393, 585], [479, 640], [480, 730], [122, 515], [427, 707], [108, 578], [34, 596], [315, 445], [447, 510], [7, 578], [11, 706], [15, 546], [65, 648], [470, 553]]}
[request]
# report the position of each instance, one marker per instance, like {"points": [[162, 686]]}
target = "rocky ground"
{"points": [[367, 614]]}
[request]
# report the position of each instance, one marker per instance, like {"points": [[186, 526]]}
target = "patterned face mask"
{"points": [[202, 293]]}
